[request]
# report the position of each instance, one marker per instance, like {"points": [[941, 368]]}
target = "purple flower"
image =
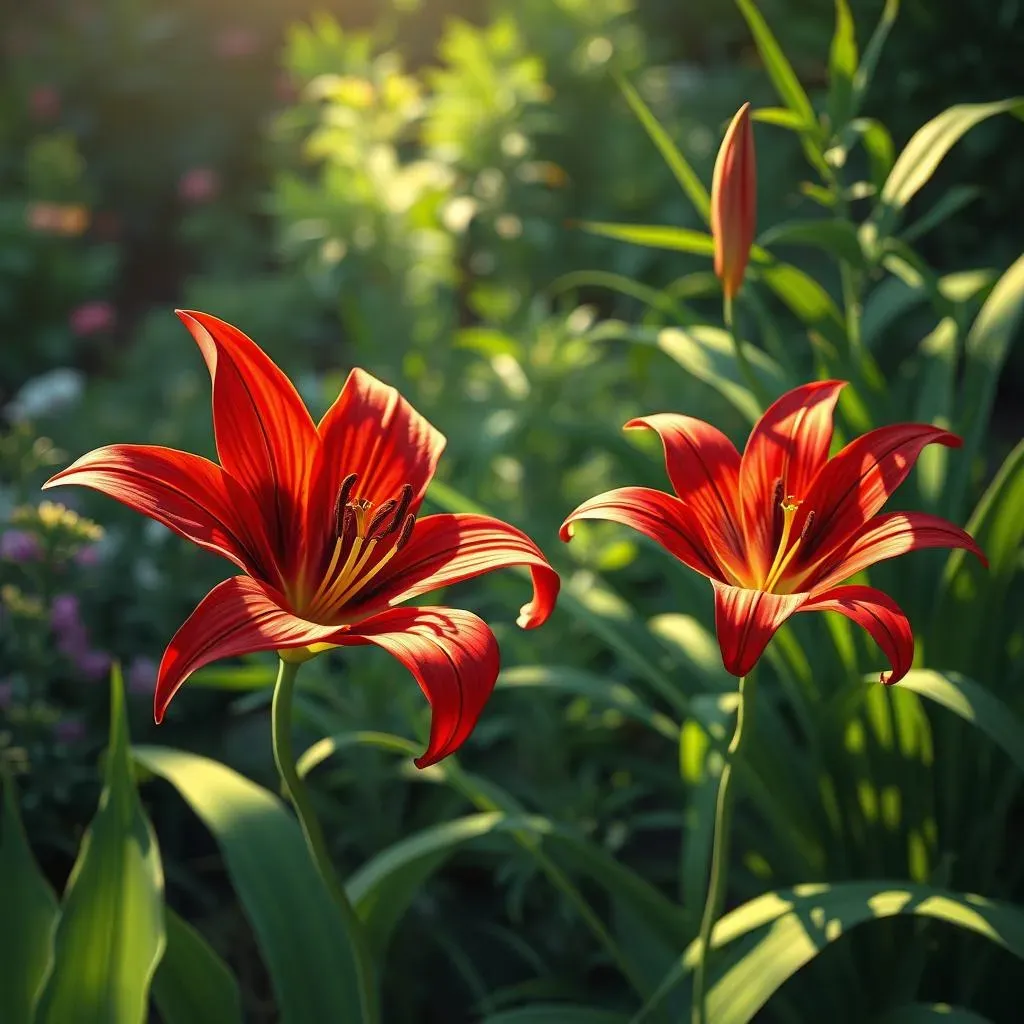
{"points": [[69, 730], [65, 613], [19, 546], [142, 677], [94, 665], [89, 556]]}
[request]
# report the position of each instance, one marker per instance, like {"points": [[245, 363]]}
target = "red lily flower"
{"points": [[778, 529], [322, 519]]}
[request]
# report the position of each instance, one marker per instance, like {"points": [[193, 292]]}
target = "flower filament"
{"points": [[360, 531], [785, 554]]}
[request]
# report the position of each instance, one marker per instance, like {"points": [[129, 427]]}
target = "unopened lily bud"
{"points": [[734, 202]]}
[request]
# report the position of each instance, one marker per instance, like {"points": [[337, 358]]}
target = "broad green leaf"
{"points": [[985, 351], [842, 66], [929, 145], [608, 694], [110, 935], [878, 145], [252, 676], [331, 745], [680, 167], [885, 304], [556, 1013], [311, 958], [787, 929], [654, 236], [974, 704], [836, 237], [28, 909], [815, 922], [780, 71], [192, 984], [929, 1013], [872, 52]]}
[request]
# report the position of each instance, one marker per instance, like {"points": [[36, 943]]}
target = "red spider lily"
{"points": [[778, 529], [322, 519], [734, 202]]}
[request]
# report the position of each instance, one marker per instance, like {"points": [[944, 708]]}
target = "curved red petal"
{"points": [[655, 514], [446, 549], [266, 438], [880, 615], [372, 431], [188, 494], [789, 443], [704, 468], [239, 616], [454, 657], [886, 537], [855, 483], [745, 620]]}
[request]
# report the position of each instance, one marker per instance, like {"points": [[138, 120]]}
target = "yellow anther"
{"points": [[783, 557]]}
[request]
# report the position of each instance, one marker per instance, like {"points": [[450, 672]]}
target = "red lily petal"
{"points": [[454, 657], [371, 430], [239, 616], [704, 467], [446, 549], [655, 514], [188, 494], [855, 483], [880, 615], [890, 535], [266, 438], [790, 442], [745, 620]]}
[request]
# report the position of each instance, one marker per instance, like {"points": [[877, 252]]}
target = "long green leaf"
{"points": [[680, 167], [654, 236], [556, 1013], [192, 984], [985, 351], [567, 679], [836, 237], [28, 910], [788, 929], [973, 703], [708, 354], [110, 936], [842, 66], [655, 298], [872, 53], [780, 71], [929, 145], [308, 952]]}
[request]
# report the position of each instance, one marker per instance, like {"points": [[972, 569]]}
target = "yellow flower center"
{"points": [[785, 554]]}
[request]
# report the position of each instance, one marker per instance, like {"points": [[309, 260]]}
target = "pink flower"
{"points": [[141, 677], [198, 185], [44, 103], [19, 546], [95, 317], [236, 41], [69, 730]]}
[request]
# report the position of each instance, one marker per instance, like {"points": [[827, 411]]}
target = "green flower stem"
{"points": [[720, 849], [295, 789], [751, 378]]}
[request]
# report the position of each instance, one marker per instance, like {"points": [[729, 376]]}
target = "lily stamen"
{"points": [[783, 557]]}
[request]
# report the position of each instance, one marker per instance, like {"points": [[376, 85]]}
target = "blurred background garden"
{"points": [[436, 190]]}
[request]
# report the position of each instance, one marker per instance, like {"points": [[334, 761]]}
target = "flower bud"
{"points": [[734, 202]]}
